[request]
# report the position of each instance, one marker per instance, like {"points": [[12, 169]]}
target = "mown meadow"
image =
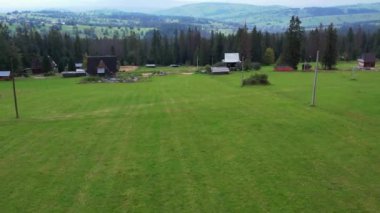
{"points": [[192, 143]]}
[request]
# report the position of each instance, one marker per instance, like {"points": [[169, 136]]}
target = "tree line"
{"points": [[27, 47]]}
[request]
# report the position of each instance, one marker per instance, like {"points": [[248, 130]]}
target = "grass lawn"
{"points": [[192, 143]]}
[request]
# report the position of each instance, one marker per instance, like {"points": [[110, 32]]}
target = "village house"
{"points": [[367, 61], [232, 61], [102, 65]]}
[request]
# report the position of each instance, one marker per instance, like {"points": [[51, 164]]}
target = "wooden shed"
{"points": [[101, 65], [367, 61], [220, 70]]}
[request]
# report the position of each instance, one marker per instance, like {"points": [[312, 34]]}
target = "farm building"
{"points": [[150, 65], [36, 66], [5, 75], [232, 60], [79, 67], [220, 70], [367, 61], [69, 74], [101, 65]]}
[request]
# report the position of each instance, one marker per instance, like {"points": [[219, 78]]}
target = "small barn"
{"points": [[367, 61], [36, 66], [220, 70], [232, 60], [79, 67], [101, 65], [5, 75], [150, 65]]}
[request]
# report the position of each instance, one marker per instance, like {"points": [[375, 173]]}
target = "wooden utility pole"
{"points": [[14, 89], [242, 71], [197, 62], [315, 81]]}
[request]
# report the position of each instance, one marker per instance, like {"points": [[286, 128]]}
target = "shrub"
{"points": [[306, 67], [91, 79], [247, 65], [219, 64], [256, 66], [50, 73], [268, 57], [256, 79], [208, 68]]}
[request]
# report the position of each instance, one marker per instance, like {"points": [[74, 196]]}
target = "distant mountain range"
{"points": [[275, 18]]}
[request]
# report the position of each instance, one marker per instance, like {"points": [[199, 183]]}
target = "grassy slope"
{"points": [[192, 143], [272, 17]]}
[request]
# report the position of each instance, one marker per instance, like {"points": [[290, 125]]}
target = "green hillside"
{"points": [[276, 17], [107, 23]]}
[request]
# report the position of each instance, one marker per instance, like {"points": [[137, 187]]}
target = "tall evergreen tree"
{"points": [[294, 35], [78, 53], [256, 45], [330, 53], [46, 64], [243, 40]]}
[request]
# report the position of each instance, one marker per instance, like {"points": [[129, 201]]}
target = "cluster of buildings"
{"points": [[107, 66]]}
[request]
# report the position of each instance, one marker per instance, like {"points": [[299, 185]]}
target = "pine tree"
{"points": [[330, 53], [46, 64], [256, 46], [244, 45], [294, 35], [77, 49]]}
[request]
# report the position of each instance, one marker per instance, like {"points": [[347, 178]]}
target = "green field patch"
{"points": [[192, 143]]}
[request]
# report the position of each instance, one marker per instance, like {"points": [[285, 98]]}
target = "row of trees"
{"points": [[28, 48]]}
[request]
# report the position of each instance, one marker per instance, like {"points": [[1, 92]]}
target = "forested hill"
{"points": [[222, 17], [276, 18], [109, 23]]}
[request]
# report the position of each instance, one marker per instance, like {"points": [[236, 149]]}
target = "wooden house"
{"points": [[367, 61], [101, 65], [36, 66]]}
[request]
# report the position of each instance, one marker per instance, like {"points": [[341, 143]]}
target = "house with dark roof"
{"points": [[36, 66], [102, 65], [367, 61]]}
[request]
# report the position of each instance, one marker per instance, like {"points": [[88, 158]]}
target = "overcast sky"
{"points": [[133, 5]]}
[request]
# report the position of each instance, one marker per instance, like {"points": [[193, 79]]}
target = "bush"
{"points": [[247, 65], [208, 68], [91, 79], [50, 73], [256, 79], [219, 64], [256, 66], [306, 67]]}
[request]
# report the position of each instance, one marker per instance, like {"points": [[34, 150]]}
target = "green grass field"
{"points": [[192, 143]]}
